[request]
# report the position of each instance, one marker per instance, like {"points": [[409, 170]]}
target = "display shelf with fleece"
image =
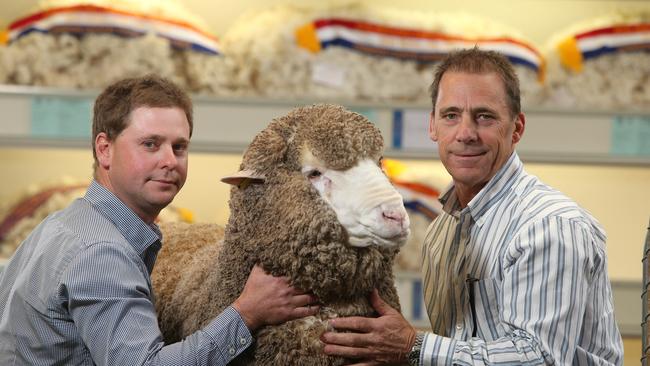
{"points": [[601, 63], [362, 52], [89, 44]]}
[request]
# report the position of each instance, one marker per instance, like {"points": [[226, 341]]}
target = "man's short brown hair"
{"points": [[478, 61], [114, 105]]}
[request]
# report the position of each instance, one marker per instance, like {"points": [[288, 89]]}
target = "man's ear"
{"points": [[520, 126], [103, 150], [433, 132]]}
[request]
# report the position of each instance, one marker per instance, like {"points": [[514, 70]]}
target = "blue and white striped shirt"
{"points": [[541, 291], [78, 292]]}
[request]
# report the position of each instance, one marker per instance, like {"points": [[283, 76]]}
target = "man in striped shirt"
{"points": [[514, 272], [78, 290]]}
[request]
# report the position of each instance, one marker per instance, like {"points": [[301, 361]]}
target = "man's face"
{"points": [[146, 164], [473, 128]]}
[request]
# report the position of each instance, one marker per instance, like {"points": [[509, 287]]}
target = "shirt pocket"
{"points": [[488, 308]]}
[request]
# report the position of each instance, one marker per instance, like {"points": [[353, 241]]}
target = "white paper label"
{"points": [[328, 74]]}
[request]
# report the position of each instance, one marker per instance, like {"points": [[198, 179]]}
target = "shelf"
{"points": [[48, 117]]}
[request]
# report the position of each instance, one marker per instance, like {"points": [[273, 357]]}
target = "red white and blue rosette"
{"points": [[86, 19], [409, 44], [593, 43]]}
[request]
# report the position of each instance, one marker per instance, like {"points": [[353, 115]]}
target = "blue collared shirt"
{"points": [[78, 292], [539, 281]]}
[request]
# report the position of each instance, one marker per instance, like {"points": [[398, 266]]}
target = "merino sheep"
{"points": [[311, 203]]}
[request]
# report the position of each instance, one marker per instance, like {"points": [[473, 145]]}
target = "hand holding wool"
{"points": [[269, 300], [383, 340]]}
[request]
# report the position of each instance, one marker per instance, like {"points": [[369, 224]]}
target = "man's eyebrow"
{"points": [[151, 137], [182, 140], [160, 138], [483, 109], [449, 109]]}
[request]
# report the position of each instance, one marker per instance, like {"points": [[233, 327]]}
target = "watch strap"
{"points": [[414, 354]]}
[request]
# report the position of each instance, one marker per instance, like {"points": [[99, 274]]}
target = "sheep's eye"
{"points": [[314, 174]]}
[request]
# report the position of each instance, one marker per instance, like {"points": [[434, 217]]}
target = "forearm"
{"points": [[217, 344], [517, 349]]}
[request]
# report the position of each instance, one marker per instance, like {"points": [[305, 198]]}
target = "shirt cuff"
{"points": [[229, 333], [437, 350]]}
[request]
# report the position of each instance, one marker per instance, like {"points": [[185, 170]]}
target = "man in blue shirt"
{"points": [[78, 290]]}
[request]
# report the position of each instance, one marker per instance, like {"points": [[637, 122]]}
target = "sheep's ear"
{"points": [[244, 178]]}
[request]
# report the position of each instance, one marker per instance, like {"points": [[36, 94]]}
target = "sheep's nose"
{"points": [[396, 216]]}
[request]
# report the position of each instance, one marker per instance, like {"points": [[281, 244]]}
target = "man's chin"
{"points": [[467, 176], [162, 199]]}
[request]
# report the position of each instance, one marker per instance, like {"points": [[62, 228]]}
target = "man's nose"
{"points": [[466, 129], [168, 157]]}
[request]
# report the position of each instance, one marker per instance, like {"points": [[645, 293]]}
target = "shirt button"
{"points": [[242, 340], [459, 326], [231, 351]]}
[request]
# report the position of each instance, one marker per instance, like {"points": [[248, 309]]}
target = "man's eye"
{"points": [[149, 144], [484, 117], [450, 116]]}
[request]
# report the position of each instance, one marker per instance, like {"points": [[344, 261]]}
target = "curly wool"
{"points": [[172, 276]]}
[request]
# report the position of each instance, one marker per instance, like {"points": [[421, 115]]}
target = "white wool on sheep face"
{"points": [[364, 200]]}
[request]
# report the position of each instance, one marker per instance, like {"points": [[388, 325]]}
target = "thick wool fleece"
{"points": [[186, 247], [284, 225]]}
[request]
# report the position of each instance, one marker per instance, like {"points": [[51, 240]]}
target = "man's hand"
{"points": [[268, 300], [383, 340]]}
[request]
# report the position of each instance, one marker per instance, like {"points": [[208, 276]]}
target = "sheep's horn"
{"points": [[243, 178]]}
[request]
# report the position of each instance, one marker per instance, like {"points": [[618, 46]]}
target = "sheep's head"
{"points": [[338, 152]]}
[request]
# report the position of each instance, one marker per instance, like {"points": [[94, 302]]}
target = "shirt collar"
{"points": [[493, 191], [138, 233], [450, 202]]}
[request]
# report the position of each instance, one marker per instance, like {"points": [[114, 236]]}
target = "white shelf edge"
{"points": [[258, 110], [27, 90]]}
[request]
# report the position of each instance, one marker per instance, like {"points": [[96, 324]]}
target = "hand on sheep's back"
{"points": [[269, 300]]}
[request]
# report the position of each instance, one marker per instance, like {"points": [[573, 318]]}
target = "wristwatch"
{"points": [[414, 354]]}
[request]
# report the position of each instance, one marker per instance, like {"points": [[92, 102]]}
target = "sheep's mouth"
{"points": [[371, 239]]}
